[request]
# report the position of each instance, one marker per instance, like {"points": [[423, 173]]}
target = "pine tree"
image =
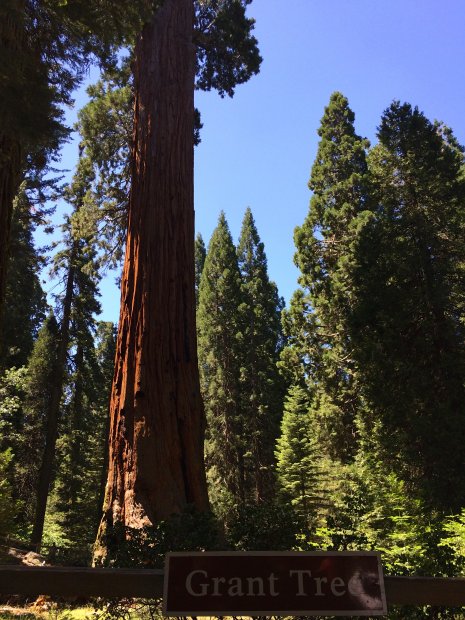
{"points": [[261, 385], [200, 256], [105, 125], [220, 338], [297, 457], [40, 379], [407, 315], [12, 439], [45, 50], [25, 303], [316, 323], [78, 483], [78, 488], [77, 264]]}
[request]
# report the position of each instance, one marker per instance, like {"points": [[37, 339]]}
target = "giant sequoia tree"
{"points": [[157, 420]]}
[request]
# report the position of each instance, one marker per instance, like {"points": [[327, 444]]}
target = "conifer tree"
{"points": [[8, 508], [297, 456], [407, 314], [200, 256], [261, 385], [45, 49], [316, 322], [25, 304], [83, 420], [220, 338], [78, 266], [39, 393], [208, 44], [105, 125]]}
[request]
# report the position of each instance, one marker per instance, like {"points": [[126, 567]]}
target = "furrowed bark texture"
{"points": [[156, 463]]}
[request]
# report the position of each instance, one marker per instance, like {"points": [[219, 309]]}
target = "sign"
{"points": [[273, 583]]}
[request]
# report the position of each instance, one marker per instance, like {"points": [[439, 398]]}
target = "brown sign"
{"points": [[273, 583]]}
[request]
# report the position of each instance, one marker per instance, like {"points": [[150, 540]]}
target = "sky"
{"points": [[258, 147]]}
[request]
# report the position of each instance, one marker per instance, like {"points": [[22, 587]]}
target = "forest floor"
{"points": [[43, 607]]}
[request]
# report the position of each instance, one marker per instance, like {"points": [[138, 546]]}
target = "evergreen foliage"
{"points": [[46, 46], [105, 125], [368, 449], [220, 344], [239, 340], [50, 46], [406, 322], [81, 445], [297, 457], [253, 526], [316, 322], [261, 387], [41, 372], [200, 256], [81, 451], [7, 504], [25, 305]]}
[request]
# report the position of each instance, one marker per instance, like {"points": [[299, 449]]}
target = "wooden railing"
{"points": [[140, 583]]}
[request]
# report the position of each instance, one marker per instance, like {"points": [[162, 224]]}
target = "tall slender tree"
{"points": [[54, 396], [317, 320], [220, 336], [35, 422], [78, 487], [79, 268], [261, 384]]}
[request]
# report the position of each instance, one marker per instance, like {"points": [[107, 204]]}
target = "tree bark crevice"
{"points": [[156, 446]]}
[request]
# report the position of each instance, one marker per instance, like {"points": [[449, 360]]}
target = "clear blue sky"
{"points": [[257, 148]]}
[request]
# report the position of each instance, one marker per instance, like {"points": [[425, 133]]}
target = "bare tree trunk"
{"points": [[156, 465]]}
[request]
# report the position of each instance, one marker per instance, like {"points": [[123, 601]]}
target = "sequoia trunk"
{"points": [[156, 463]]}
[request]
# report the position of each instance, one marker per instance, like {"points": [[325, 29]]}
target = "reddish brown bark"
{"points": [[156, 463]]}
